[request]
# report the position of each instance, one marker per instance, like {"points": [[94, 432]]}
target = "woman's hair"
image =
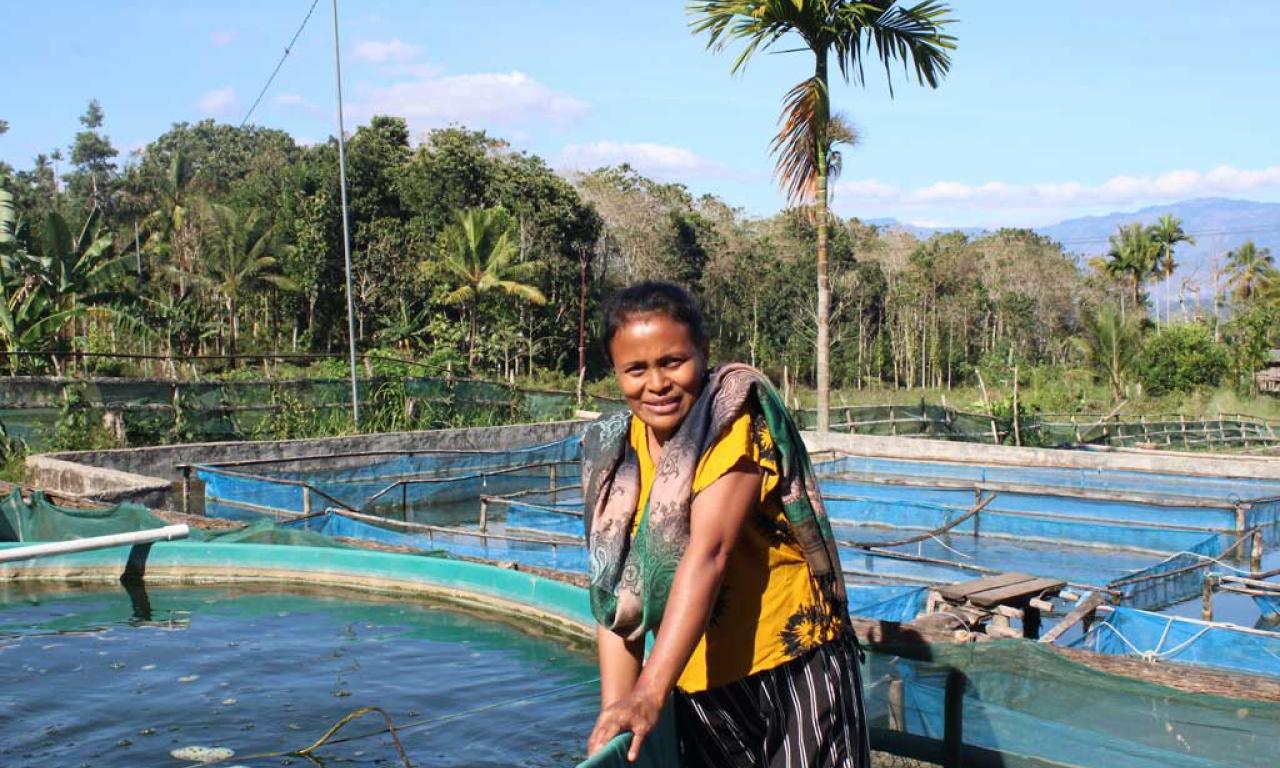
{"points": [[653, 297]]}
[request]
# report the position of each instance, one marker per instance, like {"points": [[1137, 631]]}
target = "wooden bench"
{"points": [[999, 598]]}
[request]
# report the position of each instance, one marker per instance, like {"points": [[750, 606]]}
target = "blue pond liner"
{"points": [[398, 482], [1131, 632], [1087, 527], [1131, 481], [1268, 606]]}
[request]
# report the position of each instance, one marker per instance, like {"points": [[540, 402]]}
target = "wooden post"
{"points": [[1206, 598], [1075, 426], [897, 707], [484, 514], [977, 499], [995, 432], [186, 490], [1017, 430], [1222, 430], [1142, 422], [1242, 512], [953, 720], [1255, 551], [1031, 622], [551, 482], [893, 425], [1182, 420], [306, 500], [404, 500]]}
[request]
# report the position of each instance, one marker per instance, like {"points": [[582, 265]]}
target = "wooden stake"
{"points": [[1206, 598], [1017, 431], [986, 401]]}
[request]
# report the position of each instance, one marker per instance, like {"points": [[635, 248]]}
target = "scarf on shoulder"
{"points": [[630, 577]]}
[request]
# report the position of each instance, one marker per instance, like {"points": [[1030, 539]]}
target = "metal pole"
{"points": [[346, 234], [167, 533]]}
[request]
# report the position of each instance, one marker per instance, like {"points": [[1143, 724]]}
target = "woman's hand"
{"points": [[636, 712]]}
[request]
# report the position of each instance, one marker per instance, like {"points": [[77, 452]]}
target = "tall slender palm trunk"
{"points": [[824, 286]]}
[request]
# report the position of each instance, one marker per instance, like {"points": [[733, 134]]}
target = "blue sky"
{"points": [[1052, 110]]}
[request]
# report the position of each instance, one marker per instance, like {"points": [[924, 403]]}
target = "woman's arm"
{"points": [[715, 522], [619, 665]]}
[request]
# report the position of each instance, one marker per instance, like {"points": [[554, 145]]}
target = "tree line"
{"points": [[475, 259]]}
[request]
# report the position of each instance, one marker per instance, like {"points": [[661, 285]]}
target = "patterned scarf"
{"points": [[630, 577]]}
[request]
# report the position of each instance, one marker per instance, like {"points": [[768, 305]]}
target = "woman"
{"points": [[705, 527]]}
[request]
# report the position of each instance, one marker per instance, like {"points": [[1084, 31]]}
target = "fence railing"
{"points": [[1165, 430], [153, 411]]}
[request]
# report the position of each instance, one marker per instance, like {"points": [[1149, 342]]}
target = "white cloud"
{"points": [[218, 101], [1002, 202], [661, 161], [478, 100], [295, 102], [221, 37], [384, 51]]}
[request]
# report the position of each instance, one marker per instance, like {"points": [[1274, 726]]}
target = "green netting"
{"points": [[161, 410], [945, 423], [41, 520], [1033, 706], [28, 424], [19, 391]]}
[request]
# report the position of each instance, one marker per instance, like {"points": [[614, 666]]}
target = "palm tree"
{"points": [[477, 251], [171, 202], [1249, 267], [237, 259], [1132, 256], [1167, 233], [1111, 344], [852, 31]]}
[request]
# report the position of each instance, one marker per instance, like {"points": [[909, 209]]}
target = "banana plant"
{"points": [[29, 319]]}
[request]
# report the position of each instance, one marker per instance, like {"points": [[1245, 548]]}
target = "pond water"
{"points": [[113, 678]]}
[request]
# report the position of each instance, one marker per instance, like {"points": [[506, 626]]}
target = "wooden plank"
{"points": [[1073, 617], [1015, 592], [963, 589]]}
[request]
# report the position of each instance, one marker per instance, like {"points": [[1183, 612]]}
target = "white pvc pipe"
{"points": [[167, 533]]}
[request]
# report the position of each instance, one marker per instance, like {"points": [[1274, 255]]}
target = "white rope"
{"points": [[953, 551], [1155, 654]]}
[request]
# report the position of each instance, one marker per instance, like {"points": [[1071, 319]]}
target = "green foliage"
{"points": [[1181, 358], [80, 427], [1250, 269], [1132, 257], [13, 454], [292, 419], [1252, 334], [1111, 344]]}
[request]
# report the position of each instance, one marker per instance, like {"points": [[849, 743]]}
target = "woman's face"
{"points": [[659, 369]]}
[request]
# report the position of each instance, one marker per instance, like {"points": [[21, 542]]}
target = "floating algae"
{"points": [[198, 754]]}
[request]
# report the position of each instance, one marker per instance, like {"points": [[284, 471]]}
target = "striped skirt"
{"points": [[806, 713]]}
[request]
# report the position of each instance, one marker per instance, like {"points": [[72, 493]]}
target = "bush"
{"points": [[1181, 358]]}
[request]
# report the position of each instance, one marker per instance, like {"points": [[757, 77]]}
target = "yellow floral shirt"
{"points": [[768, 610]]}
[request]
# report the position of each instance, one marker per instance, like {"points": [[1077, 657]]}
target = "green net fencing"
{"points": [[1224, 432], [37, 519], [157, 411]]}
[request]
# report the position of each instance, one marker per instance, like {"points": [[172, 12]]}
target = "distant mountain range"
{"points": [[1218, 225]]}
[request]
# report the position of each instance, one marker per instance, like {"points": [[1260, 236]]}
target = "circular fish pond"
{"points": [[175, 676]]}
